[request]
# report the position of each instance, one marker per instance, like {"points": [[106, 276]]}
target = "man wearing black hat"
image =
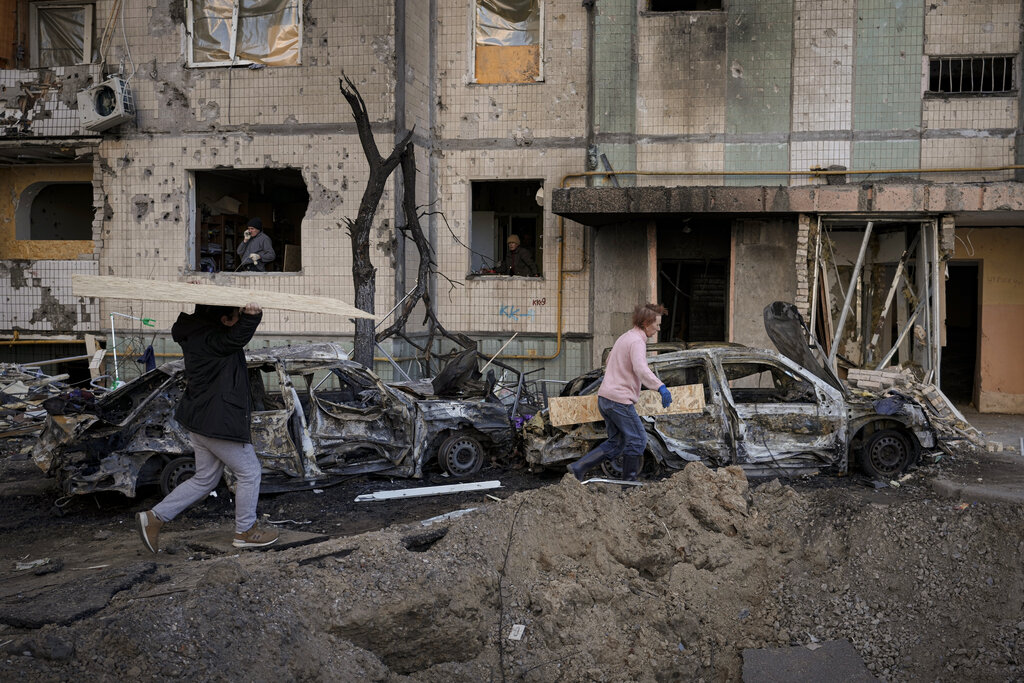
{"points": [[255, 249]]}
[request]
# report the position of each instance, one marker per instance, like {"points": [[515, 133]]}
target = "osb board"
{"points": [[507, 63], [105, 287], [570, 410]]}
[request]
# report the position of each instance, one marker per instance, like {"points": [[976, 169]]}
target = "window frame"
{"points": [[1014, 79], [539, 78], [234, 61], [33, 23]]}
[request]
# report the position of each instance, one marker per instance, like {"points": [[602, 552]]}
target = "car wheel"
{"points": [[175, 472], [613, 468], [461, 455], [886, 454]]}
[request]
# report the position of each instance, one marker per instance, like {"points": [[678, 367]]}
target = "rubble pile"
{"points": [[22, 392], [668, 581], [944, 416]]}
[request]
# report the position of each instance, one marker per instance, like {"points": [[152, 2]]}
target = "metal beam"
{"points": [[850, 291]]}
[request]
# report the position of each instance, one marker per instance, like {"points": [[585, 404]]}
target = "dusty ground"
{"points": [[669, 581]]}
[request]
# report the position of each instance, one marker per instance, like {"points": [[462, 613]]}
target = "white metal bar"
{"points": [[936, 338], [850, 291], [430, 491], [814, 283], [899, 339]]}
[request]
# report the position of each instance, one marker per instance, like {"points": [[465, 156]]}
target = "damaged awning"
{"points": [[997, 203]]}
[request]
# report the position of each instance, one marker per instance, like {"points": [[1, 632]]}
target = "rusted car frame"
{"points": [[316, 416]]}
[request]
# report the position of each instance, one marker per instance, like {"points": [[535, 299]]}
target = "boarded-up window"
{"points": [[226, 32], [61, 33], [507, 41]]}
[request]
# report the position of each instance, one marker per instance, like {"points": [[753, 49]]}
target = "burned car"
{"points": [[763, 411], [316, 416]]}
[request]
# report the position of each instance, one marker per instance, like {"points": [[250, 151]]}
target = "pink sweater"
{"points": [[627, 368]]}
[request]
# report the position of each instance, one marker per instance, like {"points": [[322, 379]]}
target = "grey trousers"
{"points": [[211, 457]]}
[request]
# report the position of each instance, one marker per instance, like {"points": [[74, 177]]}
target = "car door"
{"points": [[693, 436], [357, 424], [273, 401], [786, 417]]}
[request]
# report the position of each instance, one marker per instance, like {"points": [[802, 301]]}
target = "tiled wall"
{"points": [[36, 297], [146, 235]]}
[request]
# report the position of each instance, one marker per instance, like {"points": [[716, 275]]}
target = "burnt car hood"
{"points": [[785, 327]]}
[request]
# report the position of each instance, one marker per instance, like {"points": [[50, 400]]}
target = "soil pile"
{"points": [[669, 581]]}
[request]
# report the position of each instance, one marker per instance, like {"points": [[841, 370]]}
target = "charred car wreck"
{"points": [[772, 414], [315, 416]]}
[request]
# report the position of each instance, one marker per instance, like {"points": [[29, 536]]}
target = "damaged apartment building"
{"points": [[859, 158]]}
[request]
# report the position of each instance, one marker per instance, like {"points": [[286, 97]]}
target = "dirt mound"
{"points": [[669, 581]]}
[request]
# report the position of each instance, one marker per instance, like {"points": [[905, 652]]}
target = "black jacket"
{"points": [[518, 262], [216, 402]]}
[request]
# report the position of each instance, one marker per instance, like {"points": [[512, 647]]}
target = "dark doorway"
{"points": [[694, 293], [693, 279], [960, 355]]}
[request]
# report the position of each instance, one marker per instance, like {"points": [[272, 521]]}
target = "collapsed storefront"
{"points": [[931, 290]]}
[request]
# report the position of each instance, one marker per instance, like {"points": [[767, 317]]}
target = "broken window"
{"points": [[55, 211], [684, 5], [752, 382], [507, 41], [61, 33], [228, 32], [225, 201], [502, 209], [975, 75]]}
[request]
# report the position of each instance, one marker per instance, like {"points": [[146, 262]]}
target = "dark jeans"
{"points": [[626, 434]]}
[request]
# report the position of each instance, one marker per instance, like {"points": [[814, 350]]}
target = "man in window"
{"points": [[518, 260], [255, 250]]}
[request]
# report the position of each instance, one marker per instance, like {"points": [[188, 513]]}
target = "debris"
{"points": [[429, 491], [517, 632], [623, 482], [447, 516], [23, 566]]}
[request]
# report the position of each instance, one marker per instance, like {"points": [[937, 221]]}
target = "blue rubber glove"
{"points": [[666, 397]]}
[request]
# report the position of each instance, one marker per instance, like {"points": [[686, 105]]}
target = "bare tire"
{"points": [[613, 468], [886, 454], [461, 455], [175, 473]]}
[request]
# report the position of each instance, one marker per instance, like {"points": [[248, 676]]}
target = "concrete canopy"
{"points": [[996, 203]]}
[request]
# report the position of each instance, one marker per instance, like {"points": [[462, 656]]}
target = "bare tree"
{"points": [[363, 272]]}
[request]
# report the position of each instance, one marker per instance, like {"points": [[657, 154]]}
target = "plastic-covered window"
{"points": [[507, 41], [226, 32], [62, 33]]}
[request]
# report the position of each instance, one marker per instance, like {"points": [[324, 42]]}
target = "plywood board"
{"points": [[105, 287], [568, 410]]}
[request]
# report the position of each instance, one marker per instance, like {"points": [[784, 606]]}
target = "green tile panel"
{"points": [[615, 67], [760, 57], [887, 65], [757, 157]]}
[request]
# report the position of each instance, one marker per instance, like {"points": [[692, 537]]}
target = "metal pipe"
{"points": [[851, 290], [900, 338]]}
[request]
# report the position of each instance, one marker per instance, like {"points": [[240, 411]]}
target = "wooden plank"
{"points": [[105, 287], [569, 410]]}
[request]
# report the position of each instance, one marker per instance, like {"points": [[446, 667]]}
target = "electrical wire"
{"points": [[124, 36]]}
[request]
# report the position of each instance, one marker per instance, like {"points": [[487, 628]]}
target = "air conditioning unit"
{"points": [[106, 105]]}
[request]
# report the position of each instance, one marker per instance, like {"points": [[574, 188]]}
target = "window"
{"points": [[61, 33], [762, 383], [227, 32], [502, 209], [684, 5], [225, 201], [55, 211], [507, 41], [975, 75]]}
